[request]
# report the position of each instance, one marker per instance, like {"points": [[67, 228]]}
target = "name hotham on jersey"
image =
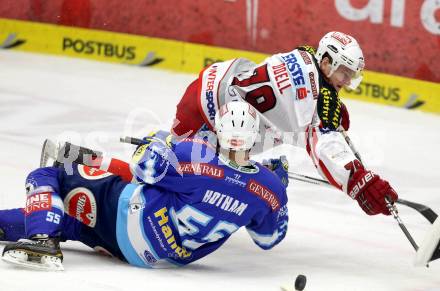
{"points": [[225, 202]]}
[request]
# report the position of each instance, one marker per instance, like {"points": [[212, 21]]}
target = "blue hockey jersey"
{"points": [[191, 200]]}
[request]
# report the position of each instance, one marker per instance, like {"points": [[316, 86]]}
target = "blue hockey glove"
{"points": [[151, 160], [280, 167]]}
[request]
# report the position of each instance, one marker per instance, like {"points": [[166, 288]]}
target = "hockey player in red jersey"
{"points": [[296, 95]]}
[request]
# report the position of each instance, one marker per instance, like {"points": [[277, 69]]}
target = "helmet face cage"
{"points": [[237, 125], [343, 50]]}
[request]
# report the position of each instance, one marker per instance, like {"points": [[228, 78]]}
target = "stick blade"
{"points": [[424, 210], [429, 250]]}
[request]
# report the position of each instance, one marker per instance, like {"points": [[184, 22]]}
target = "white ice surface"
{"points": [[330, 239]]}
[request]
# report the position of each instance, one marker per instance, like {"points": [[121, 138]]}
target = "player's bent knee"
{"points": [[44, 179]]}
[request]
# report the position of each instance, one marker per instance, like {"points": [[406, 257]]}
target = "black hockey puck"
{"points": [[300, 282]]}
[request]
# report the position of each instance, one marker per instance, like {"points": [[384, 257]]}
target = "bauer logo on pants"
{"points": [[92, 173], [80, 203]]}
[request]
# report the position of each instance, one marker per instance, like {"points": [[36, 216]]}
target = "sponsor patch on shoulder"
{"points": [[264, 193], [204, 169]]}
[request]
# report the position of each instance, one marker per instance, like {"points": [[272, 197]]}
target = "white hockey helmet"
{"points": [[237, 125], [344, 50]]}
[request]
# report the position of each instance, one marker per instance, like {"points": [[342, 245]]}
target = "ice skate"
{"points": [[38, 253], [49, 153]]}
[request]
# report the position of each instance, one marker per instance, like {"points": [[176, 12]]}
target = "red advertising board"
{"points": [[398, 37]]}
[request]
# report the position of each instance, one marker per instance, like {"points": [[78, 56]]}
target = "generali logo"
{"points": [[264, 193], [203, 169]]}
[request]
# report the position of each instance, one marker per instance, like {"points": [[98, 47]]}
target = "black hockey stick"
{"points": [[393, 210], [391, 207], [132, 140], [424, 210]]}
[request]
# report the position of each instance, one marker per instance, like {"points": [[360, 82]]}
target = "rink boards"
{"points": [[191, 58]]}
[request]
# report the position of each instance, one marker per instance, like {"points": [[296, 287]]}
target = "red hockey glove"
{"points": [[345, 117], [369, 190]]}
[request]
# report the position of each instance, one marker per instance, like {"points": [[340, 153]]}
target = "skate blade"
{"points": [[49, 153], [46, 263]]}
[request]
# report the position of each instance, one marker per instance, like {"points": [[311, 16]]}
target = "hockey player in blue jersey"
{"points": [[190, 197]]}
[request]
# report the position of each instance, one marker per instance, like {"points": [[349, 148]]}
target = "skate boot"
{"points": [[40, 252]]}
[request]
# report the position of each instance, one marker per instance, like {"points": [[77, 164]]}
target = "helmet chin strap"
{"points": [[327, 76], [330, 73]]}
